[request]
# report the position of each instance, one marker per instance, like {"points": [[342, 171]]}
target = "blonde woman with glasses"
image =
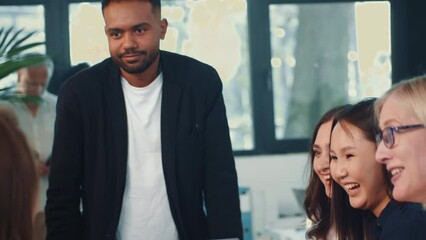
{"points": [[401, 115]]}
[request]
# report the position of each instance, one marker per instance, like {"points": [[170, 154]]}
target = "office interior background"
{"points": [[282, 63]]}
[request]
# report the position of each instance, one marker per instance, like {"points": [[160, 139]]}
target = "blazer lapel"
{"points": [[169, 116], [116, 134]]}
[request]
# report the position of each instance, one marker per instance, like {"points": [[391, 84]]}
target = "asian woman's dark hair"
{"points": [[351, 223], [317, 204]]}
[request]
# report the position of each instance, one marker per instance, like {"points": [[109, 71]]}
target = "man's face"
{"points": [[32, 81], [134, 32]]}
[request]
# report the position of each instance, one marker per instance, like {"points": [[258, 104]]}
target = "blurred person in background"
{"points": [[318, 192], [36, 112], [35, 109]]}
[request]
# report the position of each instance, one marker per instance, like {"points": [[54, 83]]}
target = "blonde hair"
{"points": [[411, 94]]}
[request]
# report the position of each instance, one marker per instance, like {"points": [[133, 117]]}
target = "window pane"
{"points": [[214, 32], [88, 42], [325, 55], [30, 18]]}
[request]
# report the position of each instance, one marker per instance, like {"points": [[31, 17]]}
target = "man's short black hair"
{"points": [[155, 3]]}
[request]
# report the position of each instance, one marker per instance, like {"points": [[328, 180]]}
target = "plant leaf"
{"points": [[17, 50], [19, 41], [18, 97], [2, 43], [11, 57], [10, 42], [11, 65], [5, 89]]}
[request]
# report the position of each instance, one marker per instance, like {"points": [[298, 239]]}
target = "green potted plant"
{"points": [[12, 57]]}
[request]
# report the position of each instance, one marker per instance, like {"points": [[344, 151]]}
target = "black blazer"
{"points": [[89, 156], [401, 221]]}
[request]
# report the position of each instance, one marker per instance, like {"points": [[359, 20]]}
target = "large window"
{"points": [[282, 62], [29, 18], [324, 55], [312, 56], [88, 42]]}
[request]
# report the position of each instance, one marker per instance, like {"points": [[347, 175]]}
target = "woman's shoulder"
{"points": [[407, 220], [331, 234]]}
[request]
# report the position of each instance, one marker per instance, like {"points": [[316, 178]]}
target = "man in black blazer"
{"points": [[167, 174]]}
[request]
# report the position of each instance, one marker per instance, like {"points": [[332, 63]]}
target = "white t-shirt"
{"points": [[145, 212], [39, 131]]}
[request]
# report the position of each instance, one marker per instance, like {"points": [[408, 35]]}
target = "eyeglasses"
{"points": [[388, 134]]}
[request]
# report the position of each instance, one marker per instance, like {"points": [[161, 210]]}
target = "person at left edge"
{"points": [[142, 140]]}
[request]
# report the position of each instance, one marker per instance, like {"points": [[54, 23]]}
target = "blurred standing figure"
{"points": [[18, 181], [36, 112], [142, 140]]}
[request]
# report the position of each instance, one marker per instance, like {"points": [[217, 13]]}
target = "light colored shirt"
{"points": [[145, 212], [39, 131]]}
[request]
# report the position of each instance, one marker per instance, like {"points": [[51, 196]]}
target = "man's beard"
{"points": [[141, 67]]}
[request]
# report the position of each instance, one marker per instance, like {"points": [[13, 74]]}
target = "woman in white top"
{"points": [[318, 192]]}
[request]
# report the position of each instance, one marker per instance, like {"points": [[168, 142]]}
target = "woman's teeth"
{"points": [[396, 171], [351, 186]]}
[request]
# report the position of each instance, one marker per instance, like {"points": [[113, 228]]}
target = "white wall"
{"points": [[271, 178]]}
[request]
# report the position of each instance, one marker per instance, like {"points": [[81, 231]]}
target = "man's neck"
{"points": [[144, 78]]}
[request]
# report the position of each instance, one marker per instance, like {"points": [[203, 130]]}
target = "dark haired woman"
{"points": [[318, 192], [366, 183]]}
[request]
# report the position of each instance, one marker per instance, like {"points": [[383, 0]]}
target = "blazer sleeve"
{"points": [[220, 177], [416, 224], [63, 217]]}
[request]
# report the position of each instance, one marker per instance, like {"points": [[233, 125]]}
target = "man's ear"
{"points": [[163, 26]]}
